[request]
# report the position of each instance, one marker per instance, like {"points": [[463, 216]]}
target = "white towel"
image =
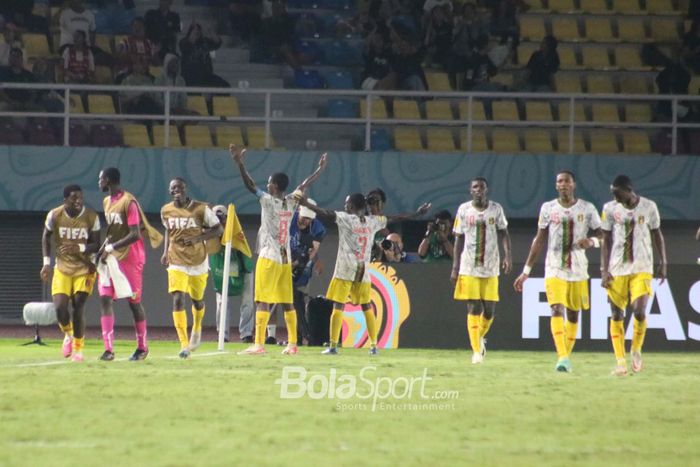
{"points": [[111, 272]]}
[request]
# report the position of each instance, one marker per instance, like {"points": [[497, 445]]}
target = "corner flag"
{"points": [[233, 232]]}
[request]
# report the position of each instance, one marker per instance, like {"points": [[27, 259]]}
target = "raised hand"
{"points": [[423, 208], [236, 153]]}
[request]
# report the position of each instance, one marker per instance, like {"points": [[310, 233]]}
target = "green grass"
{"points": [[226, 409]]}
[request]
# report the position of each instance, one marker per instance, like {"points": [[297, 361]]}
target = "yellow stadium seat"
{"points": [[505, 140], [103, 75], [406, 110], [664, 29], [198, 104], [600, 84], [378, 108], [634, 85], [101, 104], [76, 104], [564, 112], [661, 7], [155, 71], [506, 79], [438, 82], [505, 110], [479, 142], [631, 29], [535, 6], [637, 112], [628, 58], [226, 135], [440, 140], [525, 51], [562, 6], [198, 136], [605, 112], [478, 112], [256, 137], [407, 139], [595, 57], [136, 136], [626, 6], [225, 106], [438, 110], [598, 29], [636, 142], [594, 6], [565, 28], [603, 142], [538, 111], [104, 42], [35, 45], [532, 28], [159, 136], [567, 57], [563, 142], [538, 141], [567, 83]]}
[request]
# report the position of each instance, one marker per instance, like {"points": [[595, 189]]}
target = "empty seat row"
{"points": [[623, 57], [195, 136], [222, 106], [632, 7], [627, 29]]}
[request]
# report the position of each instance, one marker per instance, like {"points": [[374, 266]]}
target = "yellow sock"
{"points": [[78, 344], [571, 330], [473, 330], [290, 317], [336, 326], [197, 318], [371, 322], [484, 325], [180, 320], [66, 329], [557, 326], [640, 330], [617, 336], [261, 320]]}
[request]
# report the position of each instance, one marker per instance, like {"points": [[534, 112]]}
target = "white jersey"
{"points": [[355, 244], [275, 219], [566, 227], [480, 257], [631, 238]]}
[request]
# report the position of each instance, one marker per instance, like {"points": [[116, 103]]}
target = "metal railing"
{"points": [[368, 121]]}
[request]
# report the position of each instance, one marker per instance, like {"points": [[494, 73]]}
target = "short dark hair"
{"points": [[573, 177], [112, 174], [358, 201], [68, 189], [444, 215], [377, 192], [281, 180], [480, 179], [622, 181]]}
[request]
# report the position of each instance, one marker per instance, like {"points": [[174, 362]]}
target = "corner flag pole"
{"points": [[223, 324]]}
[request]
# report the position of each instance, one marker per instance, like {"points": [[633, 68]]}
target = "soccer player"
{"points": [[629, 222], [77, 238], [350, 282], [126, 225], [478, 226], [564, 224], [188, 224], [273, 271]]}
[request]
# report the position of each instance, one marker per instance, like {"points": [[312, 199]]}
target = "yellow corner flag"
{"points": [[233, 232]]}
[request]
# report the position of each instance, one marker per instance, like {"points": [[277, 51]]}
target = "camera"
{"points": [[387, 244]]}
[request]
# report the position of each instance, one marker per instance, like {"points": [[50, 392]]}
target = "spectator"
{"points": [[407, 57], [197, 67], [44, 72], [438, 36], [17, 99], [543, 64], [114, 16], [171, 77], [78, 61], [244, 16], [73, 18], [135, 47], [467, 28], [162, 27], [504, 21], [139, 102], [437, 242], [20, 13], [377, 71], [393, 252], [277, 35], [12, 41], [430, 5], [480, 69], [691, 46]]}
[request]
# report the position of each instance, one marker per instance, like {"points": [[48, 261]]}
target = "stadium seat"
{"points": [[35, 46], [77, 136], [40, 134], [579, 112], [637, 112], [536, 6], [538, 111], [378, 108], [567, 57], [478, 112], [438, 82], [103, 135], [600, 84], [159, 136], [634, 85], [664, 29], [567, 83], [103, 75], [225, 106], [562, 6], [694, 85], [605, 112], [505, 140], [197, 104], [505, 110], [10, 134], [341, 53], [538, 141], [76, 104], [628, 58], [198, 136], [631, 30], [603, 142], [504, 79], [565, 28], [438, 110], [101, 104], [563, 142], [594, 6], [308, 79], [661, 7], [595, 57], [525, 51], [256, 137], [479, 142], [379, 140], [341, 79], [309, 53], [226, 135], [598, 29], [636, 142], [155, 70], [626, 6], [406, 109], [440, 140], [104, 42], [407, 139], [532, 28], [341, 108]]}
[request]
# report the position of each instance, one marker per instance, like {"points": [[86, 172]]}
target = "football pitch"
{"points": [[405, 407]]}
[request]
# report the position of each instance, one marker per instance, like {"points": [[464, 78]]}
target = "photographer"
{"points": [[436, 244], [392, 250]]}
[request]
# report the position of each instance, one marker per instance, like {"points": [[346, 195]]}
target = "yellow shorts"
{"points": [[624, 290], [342, 291], [69, 285], [273, 282], [476, 288], [193, 286], [572, 294]]}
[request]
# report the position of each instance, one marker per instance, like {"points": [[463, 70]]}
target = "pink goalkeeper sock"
{"points": [[107, 322], [141, 342]]}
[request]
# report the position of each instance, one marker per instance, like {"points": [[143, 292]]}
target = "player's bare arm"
{"points": [[326, 214], [605, 250], [133, 235], [207, 233], [507, 264], [456, 255], [46, 253], [314, 176], [591, 242], [660, 245], [166, 244], [237, 155], [421, 211], [537, 244]]}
